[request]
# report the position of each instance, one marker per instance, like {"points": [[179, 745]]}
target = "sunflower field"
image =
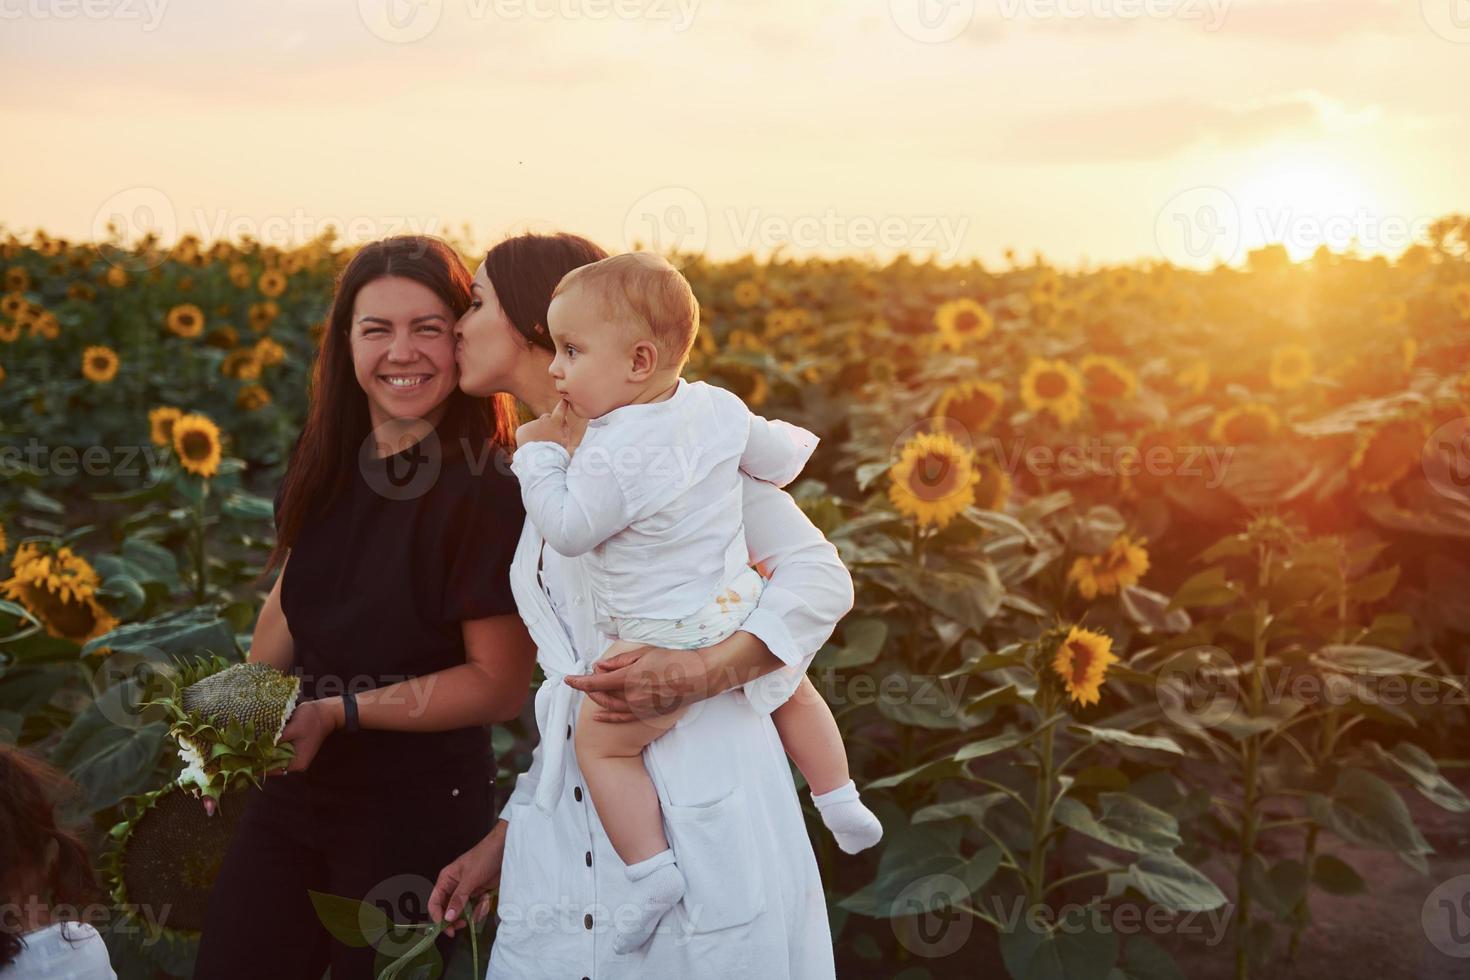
{"points": [[1162, 587]]}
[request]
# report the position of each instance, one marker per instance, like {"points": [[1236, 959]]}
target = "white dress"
{"points": [[78, 953], [754, 905]]}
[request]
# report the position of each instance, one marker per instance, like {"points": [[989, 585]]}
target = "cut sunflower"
{"points": [[228, 719], [934, 479], [1082, 662]]}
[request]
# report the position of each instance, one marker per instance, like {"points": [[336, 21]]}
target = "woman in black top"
{"points": [[396, 523]]}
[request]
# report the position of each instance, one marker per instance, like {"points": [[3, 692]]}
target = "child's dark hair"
{"points": [[34, 851]]}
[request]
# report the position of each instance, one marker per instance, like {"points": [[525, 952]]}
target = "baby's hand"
{"points": [[572, 426], [544, 429]]}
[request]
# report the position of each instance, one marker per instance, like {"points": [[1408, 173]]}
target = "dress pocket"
{"points": [[717, 854]]}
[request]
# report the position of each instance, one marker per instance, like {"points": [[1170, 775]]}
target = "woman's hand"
{"points": [[310, 724], [473, 873], [643, 684]]}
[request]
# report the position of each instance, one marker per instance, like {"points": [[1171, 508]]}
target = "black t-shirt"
{"points": [[377, 585]]}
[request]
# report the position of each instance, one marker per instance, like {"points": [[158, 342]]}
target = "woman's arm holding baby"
{"points": [[808, 592]]}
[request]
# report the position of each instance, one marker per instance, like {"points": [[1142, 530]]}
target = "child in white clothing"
{"points": [[651, 496]]}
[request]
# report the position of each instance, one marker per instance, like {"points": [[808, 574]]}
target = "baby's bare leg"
{"points": [[610, 754], [810, 736]]}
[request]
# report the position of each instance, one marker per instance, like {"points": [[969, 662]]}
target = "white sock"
{"points": [[657, 887], [851, 823]]}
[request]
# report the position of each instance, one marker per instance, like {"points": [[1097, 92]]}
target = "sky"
{"points": [[1091, 131]]}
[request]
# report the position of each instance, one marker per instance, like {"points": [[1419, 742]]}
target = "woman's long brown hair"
{"points": [[34, 851], [337, 421]]}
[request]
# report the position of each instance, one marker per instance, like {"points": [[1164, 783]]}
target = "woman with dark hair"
{"points": [[396, 522], [44, 873], [754, 904]]}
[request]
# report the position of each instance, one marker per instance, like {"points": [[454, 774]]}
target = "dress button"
{"points": [[577, 794], [589, 859], [587, 920], [454, 792]]}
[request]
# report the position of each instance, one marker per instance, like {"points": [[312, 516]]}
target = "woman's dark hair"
{"points": [[525, 269], [337, 421], [34, 851]]}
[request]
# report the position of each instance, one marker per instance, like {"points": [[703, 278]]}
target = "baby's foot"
{"points": [[657, 887], [852, 824]]}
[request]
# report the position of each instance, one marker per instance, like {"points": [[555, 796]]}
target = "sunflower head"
{"points": [[1244, 424], [197, 444], [747, 293], [240, 276], [117, 277], [1387, 452], [1052, 386], [272, 283], [99, 364], [1107, 379], [60, 589], [1291, 366], [962, 322], [252, 398], [268, 352], [185, 320], [934, 479], [1081, 663], [161, 424], [972, 405], [263, 314], [1120, 566]]}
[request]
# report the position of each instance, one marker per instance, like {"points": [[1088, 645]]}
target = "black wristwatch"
{"points": [[349, 712]]}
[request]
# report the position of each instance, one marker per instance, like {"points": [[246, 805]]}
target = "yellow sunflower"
{"points": [[1052, 386], [99, 364], [161, 424], [117, 277], [9, 332], [1291, 366], [1123, 564], [962, 321], [747, 293], [933, 480], [268, 352], [225, 337], [243, 364], [197, 443], [240, 276], [43, 323], [1121, 282], [973, 405], [81, 290], [17, 279], [13, 304], [272, 283], [1387, 452], [252, 398], [60, 590], [185, 320], [263, 314], [1107, 379], [1241, 424], [1082, 662]]}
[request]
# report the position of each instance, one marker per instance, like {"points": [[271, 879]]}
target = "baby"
{"points": [[652, 496]]}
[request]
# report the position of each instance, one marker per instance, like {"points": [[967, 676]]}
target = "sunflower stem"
{"points": [[200, 562]]}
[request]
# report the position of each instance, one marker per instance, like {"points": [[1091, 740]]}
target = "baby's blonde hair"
{"points": [[645, 291]]}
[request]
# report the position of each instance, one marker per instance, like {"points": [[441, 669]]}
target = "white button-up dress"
{"points": [[754, 905]]}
